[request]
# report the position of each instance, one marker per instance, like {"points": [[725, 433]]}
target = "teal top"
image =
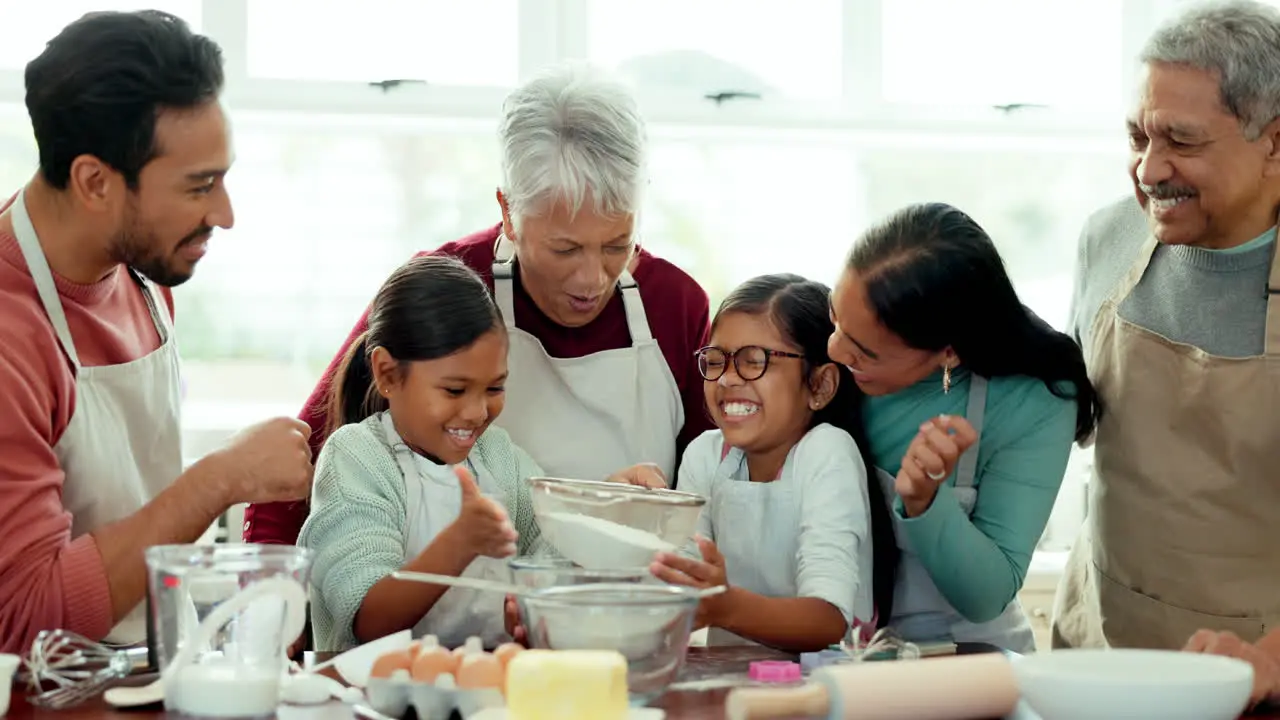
{"points": [[978, 563], [1265, 238]]}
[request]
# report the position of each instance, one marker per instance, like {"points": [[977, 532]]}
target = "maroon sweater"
{"points": [[679, 317]]}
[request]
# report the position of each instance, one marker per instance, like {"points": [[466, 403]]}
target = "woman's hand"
{"points": [[1266, 667], [705, 573], [482, 527], [511, 618], [647, 475], [930, 460]]}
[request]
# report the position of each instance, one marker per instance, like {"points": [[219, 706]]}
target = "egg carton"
{"points": [[394, 696]]}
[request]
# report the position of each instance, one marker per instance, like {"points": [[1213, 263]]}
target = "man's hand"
{"points": [[647, 475], [930, 459], [706, 573], [1266, 667], [264, 463]]}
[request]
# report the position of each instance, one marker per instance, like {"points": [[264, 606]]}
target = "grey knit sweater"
{"points": [[1214, 300]]}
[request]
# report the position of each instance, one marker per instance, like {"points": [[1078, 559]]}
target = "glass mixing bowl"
{"points": [[648, 624], [607, 525], [545, 572]]}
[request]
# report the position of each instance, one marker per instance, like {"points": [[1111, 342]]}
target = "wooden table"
{"points": [[700, 692]]}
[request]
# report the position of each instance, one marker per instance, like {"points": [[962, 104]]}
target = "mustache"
{"points": [[199, 234], [1165, 191]]}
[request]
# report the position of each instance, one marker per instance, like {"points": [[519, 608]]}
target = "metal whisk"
{"points": [[77, 667], [885, 640]]}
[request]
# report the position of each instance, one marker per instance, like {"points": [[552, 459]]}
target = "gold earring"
{"points": [[946, 379]]}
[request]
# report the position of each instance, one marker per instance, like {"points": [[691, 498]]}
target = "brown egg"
{"points": [[432, 662], [480, 670], [473, 645], [387, 664], [505, 652]]}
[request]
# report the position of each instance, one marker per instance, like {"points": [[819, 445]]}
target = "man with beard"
{"points": [[133, 148], [1177, 307]]}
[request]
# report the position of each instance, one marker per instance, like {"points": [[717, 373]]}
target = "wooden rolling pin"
{"points": [[965, 687]]}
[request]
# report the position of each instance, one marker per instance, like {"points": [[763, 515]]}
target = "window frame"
{"points": [[551, 30]]}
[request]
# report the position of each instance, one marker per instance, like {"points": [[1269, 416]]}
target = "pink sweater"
{"points": [[49, 579]]}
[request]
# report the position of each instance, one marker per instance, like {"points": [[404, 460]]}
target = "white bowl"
{"points": [[8, 666], [1133, 684]]}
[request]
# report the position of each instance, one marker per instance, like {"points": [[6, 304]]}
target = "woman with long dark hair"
{"points": [[973, 405]]}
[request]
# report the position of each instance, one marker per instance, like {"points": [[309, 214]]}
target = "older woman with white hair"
{"points": [[602, 333]]}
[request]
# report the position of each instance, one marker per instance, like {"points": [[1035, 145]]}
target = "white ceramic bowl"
{"points": [[8, 666], [1133, 684]]}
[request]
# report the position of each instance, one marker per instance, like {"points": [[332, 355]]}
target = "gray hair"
{"points": [[1239, 41], [573, 133]]}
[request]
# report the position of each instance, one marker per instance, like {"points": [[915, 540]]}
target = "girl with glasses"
{"points": [[792, 525]]}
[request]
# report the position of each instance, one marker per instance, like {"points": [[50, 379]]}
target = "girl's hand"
{"points": [[482, 527], [647, 475], [930, 460], [706, 573], [511, 618]]}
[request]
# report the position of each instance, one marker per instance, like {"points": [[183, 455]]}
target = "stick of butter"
{"points": [[567, 685]]}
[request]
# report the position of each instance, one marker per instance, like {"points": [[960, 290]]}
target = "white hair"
{"points": [[1237, 40], [573, 134]]}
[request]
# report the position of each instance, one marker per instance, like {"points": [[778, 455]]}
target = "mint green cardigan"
{"points": [[358, 519]]}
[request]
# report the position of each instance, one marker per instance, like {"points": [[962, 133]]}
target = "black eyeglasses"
{"points": [[750, 362]]}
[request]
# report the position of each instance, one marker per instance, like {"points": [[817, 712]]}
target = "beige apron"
{"points": [[123, 444], [1185, 502], [588, 417], [433, 502]]}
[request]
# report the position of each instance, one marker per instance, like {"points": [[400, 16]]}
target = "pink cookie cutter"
{"points": [[774, 671]]}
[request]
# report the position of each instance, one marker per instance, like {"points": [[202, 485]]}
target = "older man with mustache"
{"points": [[1177, 306]]}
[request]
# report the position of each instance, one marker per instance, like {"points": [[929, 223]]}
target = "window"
{"points": [[728, 210], [324, 212], [1003, 52], [714, 46], [336, 184], [23, 34], [456, 43]]}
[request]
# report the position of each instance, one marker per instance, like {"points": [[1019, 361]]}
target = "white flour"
{"points": [[595, 543]]}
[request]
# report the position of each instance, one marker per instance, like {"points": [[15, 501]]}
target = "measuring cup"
{"points": [[8, 666], [223, 617]]}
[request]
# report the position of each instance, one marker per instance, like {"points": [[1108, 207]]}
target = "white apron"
{"points": [[920, 611], [757, 532], [434, 500], [588, 417], [1187, 450], [124, 442]]}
